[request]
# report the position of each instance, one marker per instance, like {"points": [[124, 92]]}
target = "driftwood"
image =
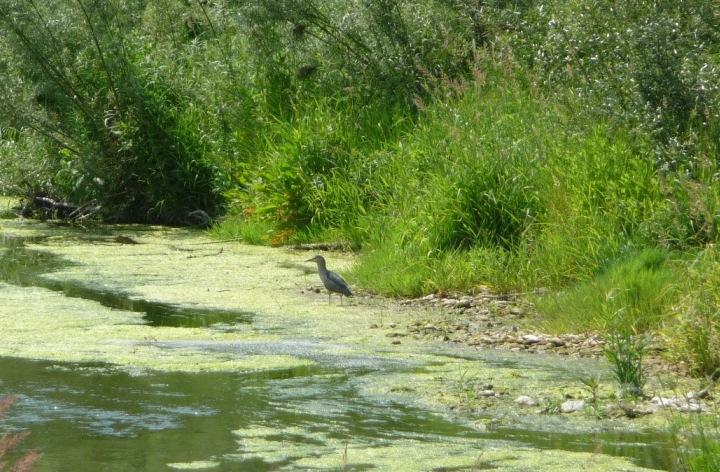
{"points": [[46, 207]]}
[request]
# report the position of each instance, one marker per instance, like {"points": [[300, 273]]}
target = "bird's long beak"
{"points": [[310, 260]]}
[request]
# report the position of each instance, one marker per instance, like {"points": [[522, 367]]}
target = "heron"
{"points": [[332, 281]]}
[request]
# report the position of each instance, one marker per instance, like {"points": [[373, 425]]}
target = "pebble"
{"points": [[679, 404], [571, 406], [690, 407], [464, 302], [485, 393], [525, 400], [396, 335], [485, 321], [704, 393]]}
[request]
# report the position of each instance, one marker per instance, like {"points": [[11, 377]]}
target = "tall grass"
{"points": [[697, 443], [511, 184], [696, 335]]}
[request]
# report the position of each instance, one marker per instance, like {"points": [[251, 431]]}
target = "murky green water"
{"points": [[324, 416]]}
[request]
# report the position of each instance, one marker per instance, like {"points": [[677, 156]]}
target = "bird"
{"points": [[332, 281]]}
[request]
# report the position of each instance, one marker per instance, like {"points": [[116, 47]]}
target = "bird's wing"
{"points": [[340, 282]]}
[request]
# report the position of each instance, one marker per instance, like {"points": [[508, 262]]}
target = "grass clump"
{"points": [[626, 353], [254, 231], [635, 291]]}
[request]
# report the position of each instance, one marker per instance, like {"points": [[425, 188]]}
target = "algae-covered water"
{"points": [[139, 348]]}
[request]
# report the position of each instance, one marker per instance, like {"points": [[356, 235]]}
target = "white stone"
{"points": [[664, 402], [525, 400], [571, 406]]}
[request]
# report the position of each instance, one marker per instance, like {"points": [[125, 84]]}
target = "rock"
{"points": [[664, 402], [555, 341], [395, 342], [517, 311], [464, 302], [487, 386], [392, 325], [373, 326], [679, 404], [450, 302], [530, 339], [571, 406], [525, 400], [704, 393], [639, 410], [485, 393], [690, 407]]}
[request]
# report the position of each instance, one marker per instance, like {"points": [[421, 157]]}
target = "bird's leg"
{"points": [[329, 296], [341, 299]]}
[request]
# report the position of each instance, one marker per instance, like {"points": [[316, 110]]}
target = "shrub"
{"points": [[652, 64], [117, 133]]}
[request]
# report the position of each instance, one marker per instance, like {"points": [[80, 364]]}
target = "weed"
{"points": [[626, 353], [592, 384], [10, 441]]}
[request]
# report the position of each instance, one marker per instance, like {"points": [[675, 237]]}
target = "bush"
{"points": [[652, 64], [117, 133]]}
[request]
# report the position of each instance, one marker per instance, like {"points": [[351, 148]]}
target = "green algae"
{"points": [[53, 327], [195, 465], [291, 328], [322, 451]]}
